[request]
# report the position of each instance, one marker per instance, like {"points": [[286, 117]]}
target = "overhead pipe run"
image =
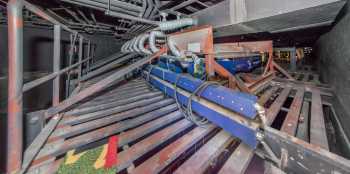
{"points": [[136, 45]]}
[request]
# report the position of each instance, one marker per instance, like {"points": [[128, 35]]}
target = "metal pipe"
{"points": [[152, 40], [80, 56], [37, 82], [101, 6], [56, 65], [15, 82], [173, 48], [38, 11], [136, 45], [142, 44], [133, 18]]}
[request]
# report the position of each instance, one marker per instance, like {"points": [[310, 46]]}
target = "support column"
{"points": [[15, 84], [56, 65], [81, 40], [88, 57]]}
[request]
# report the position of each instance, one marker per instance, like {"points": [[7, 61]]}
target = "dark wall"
{"points": [[333, 53], [38, 53]]}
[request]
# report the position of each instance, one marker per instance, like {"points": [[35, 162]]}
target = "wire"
{"points": [[187, 111]]}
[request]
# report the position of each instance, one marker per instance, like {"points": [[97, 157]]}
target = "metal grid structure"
{"points": [[155, 137], [118, 18]]}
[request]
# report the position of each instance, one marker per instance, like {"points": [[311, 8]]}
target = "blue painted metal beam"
{"points": [[245, 129], [235, 101]]}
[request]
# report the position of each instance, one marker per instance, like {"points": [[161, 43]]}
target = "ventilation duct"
{"points": [[236, 17]]}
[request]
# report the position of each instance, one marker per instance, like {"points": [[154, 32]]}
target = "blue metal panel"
{"points": [[244, 133], [244, 64], [235, 101]]}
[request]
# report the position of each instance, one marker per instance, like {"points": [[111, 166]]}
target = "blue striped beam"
{"points": [[241, 127], [235, 101]]}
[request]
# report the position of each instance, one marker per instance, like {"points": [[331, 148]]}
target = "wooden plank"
{"points": [[171, 152], [303, 127], [206, 155], [126, 157], [318, 135], [277, 104], [290, 124]]}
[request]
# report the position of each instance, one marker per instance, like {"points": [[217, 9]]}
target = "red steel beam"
{"points": [[291, 122], [15, 83], [170, 153]]}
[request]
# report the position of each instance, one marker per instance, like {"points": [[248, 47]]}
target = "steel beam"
{"points": [[56, 65], [103, 84], [80, 55], [236, 101], [15, 83], [238, 126]]}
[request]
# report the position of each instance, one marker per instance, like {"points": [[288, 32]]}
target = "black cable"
{"points": [[188, 112]]}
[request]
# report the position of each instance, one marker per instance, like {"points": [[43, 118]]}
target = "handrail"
{"points": [[37, 82]]}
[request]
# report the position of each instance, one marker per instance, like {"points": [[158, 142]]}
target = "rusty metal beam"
{"points": [[206, 155], [104, 113], [291, 122], [100, 85], [105, 106], [128, 156], [15, 83], [168, 154], [318, 135], [104, 133], [84, 127], [277, 104], [56, 65]]}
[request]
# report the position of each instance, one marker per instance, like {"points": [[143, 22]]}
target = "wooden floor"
{"points": [[154, 137]]}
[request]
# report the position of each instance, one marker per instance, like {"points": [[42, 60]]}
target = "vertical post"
{"points": [[293, 59], [15, 84], [81, 40], [88, 56], [56, 65]]}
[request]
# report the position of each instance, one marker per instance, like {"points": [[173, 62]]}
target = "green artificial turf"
{"points": [[85, 164]]}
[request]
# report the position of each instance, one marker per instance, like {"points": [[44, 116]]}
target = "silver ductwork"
{"points": [[176, 24], [237, 17], [152, 40], [136, 45]]}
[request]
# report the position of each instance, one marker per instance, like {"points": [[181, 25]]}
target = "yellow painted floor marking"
{"points": [[71, 158], [100, 162]]}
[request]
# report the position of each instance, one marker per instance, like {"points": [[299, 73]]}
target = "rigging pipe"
{"points": [[152, 40], [15, 83], [56, 65], [101, 6], [40, 12], [142, 44]]}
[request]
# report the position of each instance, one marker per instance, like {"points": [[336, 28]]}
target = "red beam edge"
{"points": [[111, 157]]}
